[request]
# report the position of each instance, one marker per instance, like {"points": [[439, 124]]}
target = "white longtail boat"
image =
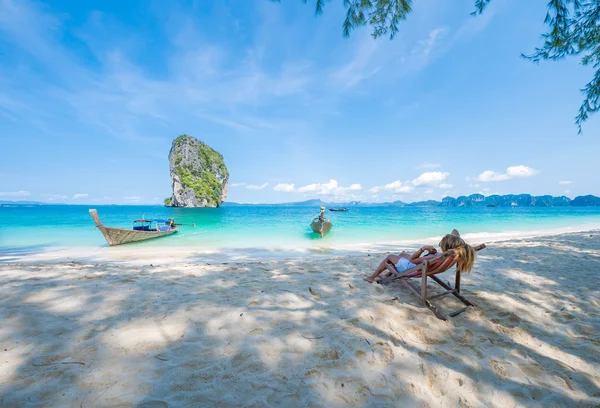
{"points": [[321, 225]]}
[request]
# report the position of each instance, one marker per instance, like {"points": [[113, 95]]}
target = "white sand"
{"points": [[303, 333]]}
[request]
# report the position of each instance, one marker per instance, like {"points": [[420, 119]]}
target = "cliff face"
{"points": [[199, 176], [588, 200], [509, 200]]}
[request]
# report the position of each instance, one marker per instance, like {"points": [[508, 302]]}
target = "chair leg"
{"points": [[421, 293], [435, 311], [456, 294], [424, 283]]}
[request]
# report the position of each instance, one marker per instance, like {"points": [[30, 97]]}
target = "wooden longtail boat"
{"points": [[320, 225], [141, 231], [339, 209]]}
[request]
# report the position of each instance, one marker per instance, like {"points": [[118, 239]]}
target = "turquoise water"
{"points": [[266, 227]]}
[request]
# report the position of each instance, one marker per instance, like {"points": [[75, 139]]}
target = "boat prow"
{"points": [[321, 227]]}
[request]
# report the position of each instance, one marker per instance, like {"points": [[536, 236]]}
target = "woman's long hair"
{"points": [[465, 252]]}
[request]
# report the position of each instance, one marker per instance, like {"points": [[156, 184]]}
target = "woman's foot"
{"points": [[369, 279]]}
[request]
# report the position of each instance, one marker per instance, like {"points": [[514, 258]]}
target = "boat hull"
{"points": [[120, 236], [321, 227]]}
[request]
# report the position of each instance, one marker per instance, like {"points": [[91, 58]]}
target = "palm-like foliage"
{"points": [[573, 30]]}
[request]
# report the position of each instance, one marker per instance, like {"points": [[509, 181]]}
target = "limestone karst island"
{"points": [[199, 176]]}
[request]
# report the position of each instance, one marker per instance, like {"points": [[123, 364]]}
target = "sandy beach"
{"points": [[302, 332]]}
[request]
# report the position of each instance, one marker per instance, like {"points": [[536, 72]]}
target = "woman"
{"points": [[404, 261]]}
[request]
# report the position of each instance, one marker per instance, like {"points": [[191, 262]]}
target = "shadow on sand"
{"points": [[302, 333]]}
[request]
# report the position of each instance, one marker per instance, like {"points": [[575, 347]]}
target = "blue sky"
{"points": [[93, 93]]}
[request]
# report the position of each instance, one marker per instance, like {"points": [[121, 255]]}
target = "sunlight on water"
{"points": [[265, 227]]}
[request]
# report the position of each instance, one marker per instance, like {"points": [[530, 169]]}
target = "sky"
{"points": [[93, 93]]}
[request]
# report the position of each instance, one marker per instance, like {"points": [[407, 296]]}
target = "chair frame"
{"points": [[406, 277]]}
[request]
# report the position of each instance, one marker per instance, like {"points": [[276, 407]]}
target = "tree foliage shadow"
{"points": [[292, 332]]}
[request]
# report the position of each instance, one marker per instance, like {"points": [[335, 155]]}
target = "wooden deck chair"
{"points": [[430, 269]]}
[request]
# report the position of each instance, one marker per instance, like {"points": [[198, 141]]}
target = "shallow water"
{"points": [[270, 227]]}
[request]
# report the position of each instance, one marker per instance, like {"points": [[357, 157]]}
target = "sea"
{"points": [[264, 227]]}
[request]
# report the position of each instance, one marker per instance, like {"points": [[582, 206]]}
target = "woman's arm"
{"points": [[416, 258]]}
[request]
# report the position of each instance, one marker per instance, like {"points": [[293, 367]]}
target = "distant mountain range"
{"points": [[473, 200], [2, 202]]}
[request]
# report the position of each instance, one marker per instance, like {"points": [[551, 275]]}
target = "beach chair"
{"points": [[429, 269]]}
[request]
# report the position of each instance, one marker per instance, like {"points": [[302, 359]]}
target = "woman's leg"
{"points": [[393, 259]]}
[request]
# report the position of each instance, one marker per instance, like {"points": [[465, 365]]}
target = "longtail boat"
{"points": [[344, 209], [320, 225], [141, 230]]}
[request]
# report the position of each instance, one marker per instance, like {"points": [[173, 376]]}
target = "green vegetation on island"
{"points": [[199, 175]]}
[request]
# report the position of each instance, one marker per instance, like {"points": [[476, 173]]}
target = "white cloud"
{"points": [[424, 47], [431, 179], [57, 197], [330, 188], [360, 67], [119, 96], [256, 187], [237, 185], [133, 198], [79, 195], [20, 193], [511, 172], [429, 166], [490, 175], [399, 186], [284, 187], [565, 182]]}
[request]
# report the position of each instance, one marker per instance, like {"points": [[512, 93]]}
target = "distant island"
{"points": [[473, 200]]}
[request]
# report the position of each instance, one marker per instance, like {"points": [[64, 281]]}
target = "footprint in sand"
{"points": [[383, 352], [420, 336], [447, 357], [314, 378], [330, 354], [533, 370], [380, 381], [499, 368], [312, 375], [508, 319], [566, 316], [315, 294], [437, 378]]}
